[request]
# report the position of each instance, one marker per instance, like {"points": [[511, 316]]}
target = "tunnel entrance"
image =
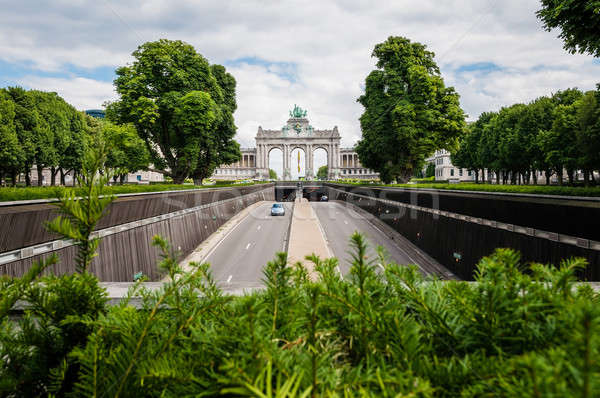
{"points": [[285, 194], [314, 194]]}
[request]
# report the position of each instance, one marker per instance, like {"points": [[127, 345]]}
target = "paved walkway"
{"points": [[306, 236]]}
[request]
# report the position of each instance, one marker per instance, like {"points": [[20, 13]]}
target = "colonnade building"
{"points": [[297, 133]]}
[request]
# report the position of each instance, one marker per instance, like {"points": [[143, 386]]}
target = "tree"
{"points": [[322, 173], [272, 174], [578, 20], [180, 105], [467, 155], [27, 124], [430, 171], [11, 153], [221, 149], [559, 144], [588, 132], [409, 112], [127, 152]]}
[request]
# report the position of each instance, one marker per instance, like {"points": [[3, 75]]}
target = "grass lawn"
{"points": [[28, 193], [526, 189]]}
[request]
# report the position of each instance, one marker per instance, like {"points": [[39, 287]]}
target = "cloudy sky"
{"points": [[312, 53]]}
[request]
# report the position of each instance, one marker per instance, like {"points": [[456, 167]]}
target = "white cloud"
{"points": [[328, 42], [80, 92]]}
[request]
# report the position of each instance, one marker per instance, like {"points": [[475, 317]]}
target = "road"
{"points": [[238, 259], [339, 222]]}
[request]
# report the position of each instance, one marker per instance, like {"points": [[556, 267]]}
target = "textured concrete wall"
{"points": [[459, 238], [185, 219]]}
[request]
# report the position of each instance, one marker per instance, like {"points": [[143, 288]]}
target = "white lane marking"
{"points": [[259, 227], [226, 235], [229, 279], [248, 246]]}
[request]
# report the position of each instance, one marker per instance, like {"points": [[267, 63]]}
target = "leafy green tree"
{"points": [[322, 173], [219, 147], [127, 152], [559, 144], [409, 112], [430, 171], [578, 20], [180, 105], [588, 133], [11, 153], [272, 174], [28, 126], [540, 113]]}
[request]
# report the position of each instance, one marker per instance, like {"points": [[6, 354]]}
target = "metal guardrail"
{"points": [[552, 236], [43, 248]]}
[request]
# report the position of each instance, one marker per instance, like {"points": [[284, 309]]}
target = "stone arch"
{"points": [[320, 157], [298, 170], [275, 162]]}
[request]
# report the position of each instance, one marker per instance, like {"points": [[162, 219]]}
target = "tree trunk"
{"points": [[53, 172], [13, 177], [476, 176], [122, 178], [62, 177], [535, 176], [40, 175], [28, 177], [198, 181], [497, 177], [570, 176], [559, 175], [586, 178], [74, 177]]}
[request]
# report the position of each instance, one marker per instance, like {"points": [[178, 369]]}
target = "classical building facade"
{"points": [[297, 133]]}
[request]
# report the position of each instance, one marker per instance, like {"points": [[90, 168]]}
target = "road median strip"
{"points": [[306, 236]]}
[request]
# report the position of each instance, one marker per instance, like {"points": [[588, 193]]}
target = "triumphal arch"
{"points": [[297, 133]]}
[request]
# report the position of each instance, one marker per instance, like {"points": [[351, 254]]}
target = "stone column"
{"points": [[286, 162], [310, 167]]}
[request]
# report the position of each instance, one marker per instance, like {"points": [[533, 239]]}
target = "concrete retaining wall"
{"points": [[185, 219], [458, 239]]}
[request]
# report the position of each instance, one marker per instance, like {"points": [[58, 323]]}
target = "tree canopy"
{"points": [[578, 21], [272, 174], [181, 106], [409, 112], [322, 173], [550, 134]]}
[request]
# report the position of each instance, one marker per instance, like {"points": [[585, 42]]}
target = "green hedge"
{"points": [[526, 189], [373, 333], [29, 193]]}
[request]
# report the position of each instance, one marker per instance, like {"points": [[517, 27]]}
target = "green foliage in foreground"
{"points": [[528, 189], [391, 333], [29, 193]]}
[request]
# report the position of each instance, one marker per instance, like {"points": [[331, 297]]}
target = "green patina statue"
{"points": [[297, 112]]}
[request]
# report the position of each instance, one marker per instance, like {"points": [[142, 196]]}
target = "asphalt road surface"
{"points": [[238, 259], [339, 222]]}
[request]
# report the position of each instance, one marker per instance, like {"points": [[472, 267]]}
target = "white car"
{"points": [[277, 210]]}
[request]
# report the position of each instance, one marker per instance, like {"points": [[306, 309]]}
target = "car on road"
{"points": [[324, 198], [277, 210]]}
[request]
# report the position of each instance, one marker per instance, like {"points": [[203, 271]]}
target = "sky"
{"points": [[312, 53]]}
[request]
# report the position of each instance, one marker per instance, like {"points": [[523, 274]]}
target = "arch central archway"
{"points": [[275, 162], [297, 163], [321, 159]]}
